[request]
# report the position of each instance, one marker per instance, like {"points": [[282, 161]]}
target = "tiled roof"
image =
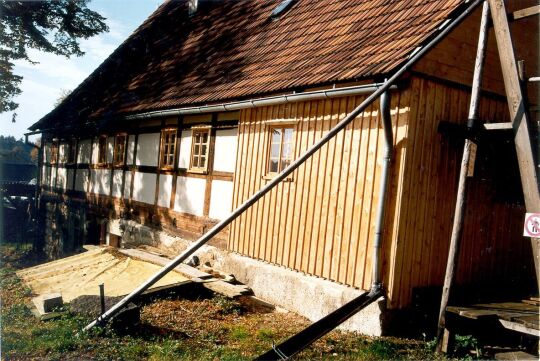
{"points": [[232, 50]]}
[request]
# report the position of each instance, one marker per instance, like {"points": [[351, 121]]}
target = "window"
{"points": [[54, 152], [119, 149], [72, 155], [102, 149], [200, 138], [168, 148], [281, 148]]}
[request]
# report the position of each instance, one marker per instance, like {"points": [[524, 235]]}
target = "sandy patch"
{"points": [[81, 275]]}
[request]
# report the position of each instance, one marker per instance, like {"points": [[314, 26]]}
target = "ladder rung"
{"points": [[523, 13]]}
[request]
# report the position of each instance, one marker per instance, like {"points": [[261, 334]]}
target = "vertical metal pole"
{"points": [[469, 152], [102, 297]]}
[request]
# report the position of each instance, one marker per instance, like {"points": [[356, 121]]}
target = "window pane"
{"points": [[286, 153], [203, 150], [284, 163], [195, 161], [287, 136], [202, 162], [204, 137], [274, 151], [276, 136], [196, 149], [273, 166]]}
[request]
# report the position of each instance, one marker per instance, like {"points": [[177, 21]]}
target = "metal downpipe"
{"points": [[385, 172]]}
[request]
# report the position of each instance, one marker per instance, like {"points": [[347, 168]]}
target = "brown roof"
{"points": [[232, 50]]}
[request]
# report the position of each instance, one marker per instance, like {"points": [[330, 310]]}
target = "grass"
{"points": [[214, 328]]}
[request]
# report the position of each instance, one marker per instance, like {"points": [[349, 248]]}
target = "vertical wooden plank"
{"points": [[345, 196], [309, 248], [371, 195], [287, 220], [351, 212], [357, 235], [340, 169], [305, 174], [320, 180]]}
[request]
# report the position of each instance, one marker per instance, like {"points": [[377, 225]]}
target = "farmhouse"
{"points": [[206, 103]]}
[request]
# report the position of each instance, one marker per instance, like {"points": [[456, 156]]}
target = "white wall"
{"points": [[95, 151], [100, 181], [84, 151], [144, 187], [225, 150], [147, 149], [63, 150], [189, 196], [110, 149], [130, 149], [45, 176], [185, 149], [47, 152], [81, 180], [61, 178], [165, 190], [53, 177], [127, 185], [117, 183], [220, 199]]}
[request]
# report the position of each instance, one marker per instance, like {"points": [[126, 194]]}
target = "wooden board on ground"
{"points": [[227, 289], [162, 261]]}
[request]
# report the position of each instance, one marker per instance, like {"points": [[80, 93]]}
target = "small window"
{"points": [[54, 152], [119, 149], [168, 148], [72, 151], [102, 149], [200, 139], [280, 153]]}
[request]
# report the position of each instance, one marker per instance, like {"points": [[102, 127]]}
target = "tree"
{"points": [[53, 26]]}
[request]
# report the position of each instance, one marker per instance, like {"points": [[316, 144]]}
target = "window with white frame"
{"points": [[200, 143], [280, 152]]}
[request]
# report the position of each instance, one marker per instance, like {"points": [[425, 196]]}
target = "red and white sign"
{"points": [[531, 228]]}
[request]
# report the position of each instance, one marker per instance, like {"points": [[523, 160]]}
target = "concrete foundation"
{"points": [[309, 296]]}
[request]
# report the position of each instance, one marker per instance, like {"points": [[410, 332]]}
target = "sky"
{"points": [[45, 82]]}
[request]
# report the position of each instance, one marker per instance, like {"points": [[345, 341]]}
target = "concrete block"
{"points": [[48, 302], [52, 301]]}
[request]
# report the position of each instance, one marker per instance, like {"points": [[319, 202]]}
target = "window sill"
{"points": [[197, 171], [270, 176]]}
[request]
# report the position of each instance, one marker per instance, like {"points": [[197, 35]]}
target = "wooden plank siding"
{"points": [[321, 220], [492, 247]]}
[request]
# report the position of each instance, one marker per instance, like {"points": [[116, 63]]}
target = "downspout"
{"points": [[385, 172]]}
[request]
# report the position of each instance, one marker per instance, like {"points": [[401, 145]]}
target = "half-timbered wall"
{"points": [[178, 198]]}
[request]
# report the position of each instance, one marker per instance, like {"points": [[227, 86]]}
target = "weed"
{"points": [[464, 344], [265, 334], [239, 333], [228, 306]]}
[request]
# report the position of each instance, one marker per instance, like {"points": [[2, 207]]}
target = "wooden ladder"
{"points": [[517, 106]]}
